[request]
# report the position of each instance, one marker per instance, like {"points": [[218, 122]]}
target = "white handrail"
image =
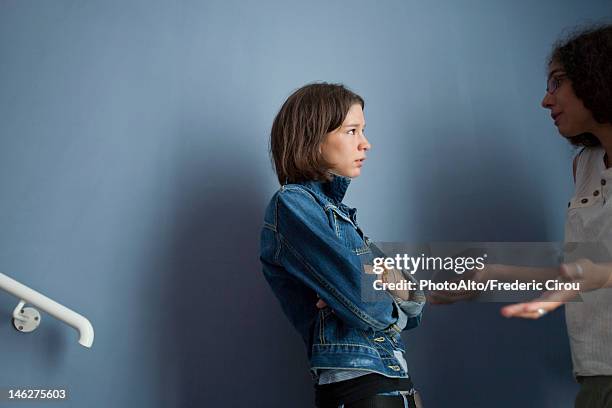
{"points": [[70, 317]]}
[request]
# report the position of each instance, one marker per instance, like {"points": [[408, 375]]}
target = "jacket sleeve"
{"points": [[313, 254], [411, 310]]}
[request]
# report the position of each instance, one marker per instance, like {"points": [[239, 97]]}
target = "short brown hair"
{"points": [[585, 58], [300, 127]]}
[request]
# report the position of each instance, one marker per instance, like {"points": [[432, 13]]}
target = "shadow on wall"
{"points": [[480, 190], [224, 340]]}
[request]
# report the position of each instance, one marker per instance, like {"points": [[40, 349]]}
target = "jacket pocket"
{"points": [[348, 233]]}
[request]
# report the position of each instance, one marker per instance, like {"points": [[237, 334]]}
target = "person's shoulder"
{"points": [[590, 150], [295, 193], [290, 200], [292, 203], [589, 154], [586, 160]]}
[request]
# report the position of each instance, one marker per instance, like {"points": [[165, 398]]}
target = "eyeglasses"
{"points": [[554, 83]]}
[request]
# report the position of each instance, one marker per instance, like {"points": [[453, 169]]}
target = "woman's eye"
{"points": [[351, 132]]}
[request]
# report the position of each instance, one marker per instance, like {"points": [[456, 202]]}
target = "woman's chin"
{"points": [[566, 133], [350, 173]]}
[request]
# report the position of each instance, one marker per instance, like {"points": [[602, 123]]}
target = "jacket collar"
{"points": [[334, 190]]}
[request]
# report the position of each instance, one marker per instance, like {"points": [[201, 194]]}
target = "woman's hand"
{"points": [[530, 310], [588, 275], [442, 297], [392, 275]]}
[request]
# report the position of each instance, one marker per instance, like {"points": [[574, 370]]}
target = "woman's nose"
{"points": [[365, 144], [547, 101]]}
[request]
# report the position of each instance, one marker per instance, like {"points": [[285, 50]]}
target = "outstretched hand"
{"points": [[588, 275], [530, 310], [443, 297]]}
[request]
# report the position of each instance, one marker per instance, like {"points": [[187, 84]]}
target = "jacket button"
{"points": [[603, 182], [596, 193], [379, 339], [394, 367], [584, 200]]}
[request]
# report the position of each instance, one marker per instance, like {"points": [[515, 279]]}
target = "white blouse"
{"points": [[589, 219]]}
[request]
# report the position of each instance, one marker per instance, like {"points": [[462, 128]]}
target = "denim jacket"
{"points": [[312, 247]]}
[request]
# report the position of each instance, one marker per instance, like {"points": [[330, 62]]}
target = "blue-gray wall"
{"points": [[134, 173]]}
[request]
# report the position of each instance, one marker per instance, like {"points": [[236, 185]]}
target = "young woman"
{"points": [[314, 252], [579, 97]]}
